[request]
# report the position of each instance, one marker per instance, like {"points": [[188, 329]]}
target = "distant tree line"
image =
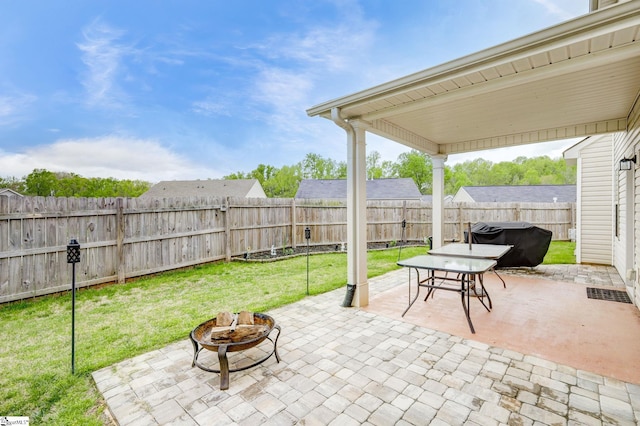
{"points": [[44, 183], [283, 182]]}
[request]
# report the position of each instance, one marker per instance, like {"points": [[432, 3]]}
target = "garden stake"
{"points": [[73, 257], [307, 236], [404, 224]]}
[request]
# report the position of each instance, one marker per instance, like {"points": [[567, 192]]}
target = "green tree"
{"points": [[44, 183], [41, 182], [131, 188], [387, 168], [284, 184], [314, 166], [455, 178], [374, 166], [417, 166], [72, 185], [531, 177], [505, 173], [263, 173], [479, 171], [237, 175], [13, 183]]}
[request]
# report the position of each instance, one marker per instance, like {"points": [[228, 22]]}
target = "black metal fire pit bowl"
{"points": [[208, 336]]}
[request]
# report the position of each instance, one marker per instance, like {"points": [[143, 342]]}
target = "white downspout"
{"points": [[337, 118]]}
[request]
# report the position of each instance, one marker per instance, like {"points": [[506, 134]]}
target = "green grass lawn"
{"points": [[560, 252], [117, 322]]}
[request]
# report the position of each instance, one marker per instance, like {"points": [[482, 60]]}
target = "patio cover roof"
{"points": [[575, 79]]}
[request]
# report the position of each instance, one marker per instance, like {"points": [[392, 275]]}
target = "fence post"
{"points": [[226, 206], [460, 223], [294, 241], [120, 240]]}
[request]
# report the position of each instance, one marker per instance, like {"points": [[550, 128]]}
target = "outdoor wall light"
{"points": [[625, 163]]}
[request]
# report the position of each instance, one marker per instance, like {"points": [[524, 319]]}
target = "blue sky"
{"points": [[198, 89]]}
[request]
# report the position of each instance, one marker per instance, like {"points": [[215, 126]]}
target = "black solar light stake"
{"points": [[307, 236], [404, 225], [73, 257]]}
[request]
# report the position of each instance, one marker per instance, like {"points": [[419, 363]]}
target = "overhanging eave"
{"points": [[403, 136], [537, 136]]}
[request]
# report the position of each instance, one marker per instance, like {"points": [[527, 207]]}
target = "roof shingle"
{"points": [[209, 187], [522, 193], [377, 189]]}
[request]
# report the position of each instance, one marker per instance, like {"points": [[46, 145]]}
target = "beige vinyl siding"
{"points": [[601, 4], [619, 258], [256, 191], [596, 218], [462, 196], [633, 138], [626, 250]]}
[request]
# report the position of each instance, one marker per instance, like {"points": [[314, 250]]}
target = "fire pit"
{"points": [[234, 338]]}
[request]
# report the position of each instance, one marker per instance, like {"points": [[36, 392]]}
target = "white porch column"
{"points": [[438, 199], [357, 215]]}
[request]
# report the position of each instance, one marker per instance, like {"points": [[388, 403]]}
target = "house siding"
{"points": [[627, 193], [256, 191], [462, 196], [633, 138], [595, 224]]}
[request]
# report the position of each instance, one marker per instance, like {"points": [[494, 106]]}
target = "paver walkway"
{"points": [[344, 366]]}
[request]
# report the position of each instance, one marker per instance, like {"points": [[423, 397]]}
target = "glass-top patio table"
{"points": [[476, 251], [465, 268]]}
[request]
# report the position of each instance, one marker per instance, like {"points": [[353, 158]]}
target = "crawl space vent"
{"points": [[605, 294]]}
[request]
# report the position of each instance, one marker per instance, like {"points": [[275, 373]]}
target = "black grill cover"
{"points": [[530, 243]]}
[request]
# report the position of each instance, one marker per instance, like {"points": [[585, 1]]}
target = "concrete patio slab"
{"points": [[554, 320]]}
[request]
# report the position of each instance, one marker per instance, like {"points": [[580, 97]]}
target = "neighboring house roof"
{"points": [[7, 192], [517, 193], [377, 189], [248, 188]]}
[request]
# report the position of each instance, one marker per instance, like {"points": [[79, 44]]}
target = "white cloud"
{"points": [[109, 156], [328, 48], [315, 53], [282, 87], [293, 67], [564, 9], [13, 107], [210, 108], [103, 55]]}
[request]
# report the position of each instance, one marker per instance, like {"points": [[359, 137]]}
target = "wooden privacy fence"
{"points": [[122, 238]]}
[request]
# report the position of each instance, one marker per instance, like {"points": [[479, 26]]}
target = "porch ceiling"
{"points": [[575, 79]]}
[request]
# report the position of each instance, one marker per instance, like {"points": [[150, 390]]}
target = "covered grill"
{"points": [[530, 243]]}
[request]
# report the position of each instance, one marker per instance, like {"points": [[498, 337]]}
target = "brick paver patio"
{"points": [[345, 366]]}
